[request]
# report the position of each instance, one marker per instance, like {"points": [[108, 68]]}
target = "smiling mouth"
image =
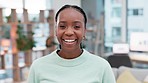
{"points": [[69, 40]]}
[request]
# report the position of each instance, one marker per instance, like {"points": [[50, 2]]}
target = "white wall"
{"points": [[138, 22], [56, 4], [108, 26]]}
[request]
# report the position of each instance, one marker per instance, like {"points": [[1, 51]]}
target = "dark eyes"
{"points": [[76, 27], [63, 27]]}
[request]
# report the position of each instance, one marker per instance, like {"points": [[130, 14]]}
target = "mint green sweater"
{"points": [[87, 68]]}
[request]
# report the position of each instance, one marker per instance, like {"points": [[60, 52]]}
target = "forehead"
{"points": [[70, 13]]}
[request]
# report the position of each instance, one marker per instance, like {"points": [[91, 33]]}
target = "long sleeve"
{"points": [[32, 77], [108, 76]]}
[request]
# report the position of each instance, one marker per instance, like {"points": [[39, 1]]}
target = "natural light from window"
{"points": [[33, 6]]}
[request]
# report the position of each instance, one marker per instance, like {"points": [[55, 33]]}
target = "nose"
{"points": [[69, 31]]}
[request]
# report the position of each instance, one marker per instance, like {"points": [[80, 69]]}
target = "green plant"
{"points": [[8, 18], [24, 42]]}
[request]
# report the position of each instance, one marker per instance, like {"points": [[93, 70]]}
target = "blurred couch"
{"points": [[125, 74]]}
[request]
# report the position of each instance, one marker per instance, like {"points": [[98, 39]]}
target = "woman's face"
{"points": [[70, 29]]}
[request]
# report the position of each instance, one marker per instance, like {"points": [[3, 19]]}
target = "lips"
{"points": [[69, 41]]}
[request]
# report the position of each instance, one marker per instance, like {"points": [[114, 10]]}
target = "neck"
{"points": [[71, 54]]}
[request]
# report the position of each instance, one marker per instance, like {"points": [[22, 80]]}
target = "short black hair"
{"points": [[74, 7]]}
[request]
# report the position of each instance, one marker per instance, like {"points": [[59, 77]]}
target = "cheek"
{"points": [[80, 35], [58, 34], [58, 37]]}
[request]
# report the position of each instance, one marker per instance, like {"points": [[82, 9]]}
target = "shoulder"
{"points": [[97, 60], [43, 60]]}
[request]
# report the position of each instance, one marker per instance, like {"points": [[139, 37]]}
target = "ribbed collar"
{"points": [[70, 62]]}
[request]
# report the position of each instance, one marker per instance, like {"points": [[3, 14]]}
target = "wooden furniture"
{"points": [[139, 57], [1, 16], [13, 22]]}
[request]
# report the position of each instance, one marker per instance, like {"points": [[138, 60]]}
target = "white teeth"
{"points": [[69, 40]]}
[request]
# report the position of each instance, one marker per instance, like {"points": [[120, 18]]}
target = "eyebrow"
{"points": [[62, 21], [73, 22], [77, 22]]}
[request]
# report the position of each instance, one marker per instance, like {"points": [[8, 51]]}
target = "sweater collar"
{"points": [[70, 62]]}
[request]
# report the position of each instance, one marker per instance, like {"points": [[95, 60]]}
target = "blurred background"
{"points": [[115, 27]]}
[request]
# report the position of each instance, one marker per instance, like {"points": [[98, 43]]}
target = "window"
{"points": [[116, 34], [116, 1], [116, 31], [140, 11], [135, 12], [11, 4], [130, 12], [116, 12]]}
